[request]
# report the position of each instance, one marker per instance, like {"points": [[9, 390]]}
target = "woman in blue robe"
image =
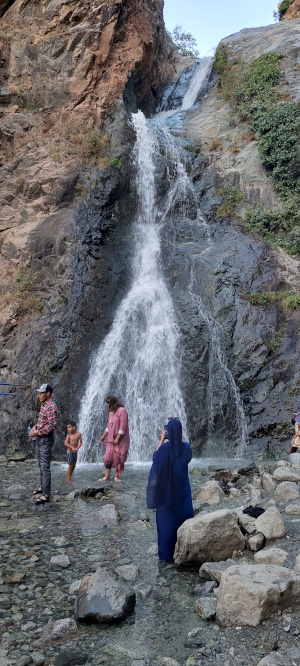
{"points": [[169, 490]]}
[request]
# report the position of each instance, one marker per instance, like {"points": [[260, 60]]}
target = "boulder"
{"points": [[103, 598], [211, 493], [294, 459], [286, 656], [128, 571], [213, 570], [206, 607], [286, 474], [247, 523], [57, 630], [251, 593], [297, 563], [286, 490], [293, 509], [256, 542], [203, 589], [255, 496], [249, 470], [91, 491], [59, 561], [208, 537], [267, 482], [271, 556], [271, 524]]}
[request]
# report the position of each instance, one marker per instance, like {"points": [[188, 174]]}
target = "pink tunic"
{"points": [[116, 455]]}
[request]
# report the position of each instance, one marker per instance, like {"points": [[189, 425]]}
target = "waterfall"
{"points": [[198, 82], [139, 360]]}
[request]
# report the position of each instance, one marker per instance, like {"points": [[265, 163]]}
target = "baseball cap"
{"points": [[45, 388]]}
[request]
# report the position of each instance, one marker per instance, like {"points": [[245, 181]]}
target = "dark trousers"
{"points": [[44, 445]]}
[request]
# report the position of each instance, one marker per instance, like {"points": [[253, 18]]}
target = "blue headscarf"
{"points": [[160, 490], [174, 430]]}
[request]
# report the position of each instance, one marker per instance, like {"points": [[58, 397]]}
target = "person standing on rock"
{"points": [[118, 439], [169, 490], [44, 433]]}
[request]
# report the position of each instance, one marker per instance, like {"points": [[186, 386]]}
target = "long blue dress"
{"points": [[169, 489]]}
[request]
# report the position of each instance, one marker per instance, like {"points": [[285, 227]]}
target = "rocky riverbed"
{"points": [[46, 553]]}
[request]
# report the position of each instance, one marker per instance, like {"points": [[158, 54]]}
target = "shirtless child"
{"points": [[73, 442]]}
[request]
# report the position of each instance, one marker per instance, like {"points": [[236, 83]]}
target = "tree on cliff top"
{"points": [[184, 42]]}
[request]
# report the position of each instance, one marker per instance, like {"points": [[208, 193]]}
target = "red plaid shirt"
{"points": [[47, 417]]}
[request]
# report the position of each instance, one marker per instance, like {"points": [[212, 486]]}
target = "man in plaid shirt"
{"points": [[44, 433]]}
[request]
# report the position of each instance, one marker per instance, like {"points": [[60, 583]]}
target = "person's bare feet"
{"points": [[117, 480]]}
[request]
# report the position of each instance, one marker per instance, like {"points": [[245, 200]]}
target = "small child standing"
{"points": [[73, 442], [296, 439]]}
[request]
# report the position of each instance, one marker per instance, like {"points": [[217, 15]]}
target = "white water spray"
{"points": [[139, 360], [199, 79]]}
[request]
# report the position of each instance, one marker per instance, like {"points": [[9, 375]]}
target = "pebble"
{"points": [[60, 560]]}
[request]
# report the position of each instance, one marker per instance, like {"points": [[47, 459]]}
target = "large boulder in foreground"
{"points": [[271, 524], [103, 598], [208, 538], [251, 593]]}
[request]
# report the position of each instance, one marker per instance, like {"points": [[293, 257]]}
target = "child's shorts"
{"points": [[71, 457]]}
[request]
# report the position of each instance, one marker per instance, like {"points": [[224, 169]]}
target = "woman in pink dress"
{"points": [[118, 440]]}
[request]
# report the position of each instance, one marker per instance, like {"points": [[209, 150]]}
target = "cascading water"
{"points": [[198, 82], [139, 360]]}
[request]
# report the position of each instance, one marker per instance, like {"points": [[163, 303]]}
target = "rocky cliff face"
{"points": [[238, 262], [293, 10], [70, 72]]}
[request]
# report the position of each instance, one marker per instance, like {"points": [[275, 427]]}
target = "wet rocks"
{"points": [[271, 524], [102, 598], [15, 492], [213, 536], [91, 492], [251, 593]]}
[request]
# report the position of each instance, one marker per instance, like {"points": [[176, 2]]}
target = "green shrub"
{"points": [[279, 227], [23, 280], [184, 42], [282, 8], [288, 299], [275, 342], [231, 198], [257, 92], [279, 130], [93, 143], [116, 162]]}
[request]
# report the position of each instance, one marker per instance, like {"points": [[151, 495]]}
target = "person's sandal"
{"points": [[37, 491], [43, 499]]}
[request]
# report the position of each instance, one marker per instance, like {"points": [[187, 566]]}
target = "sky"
{"points": [[211, 20]]}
